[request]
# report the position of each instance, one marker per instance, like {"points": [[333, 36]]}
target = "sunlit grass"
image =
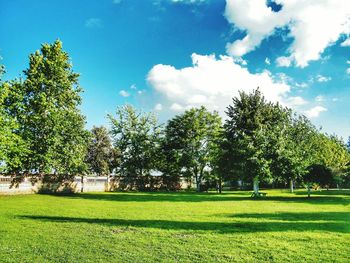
{"points": [[173, 227]]}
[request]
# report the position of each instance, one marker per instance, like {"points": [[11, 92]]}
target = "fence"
{"points": [[85, 184]]}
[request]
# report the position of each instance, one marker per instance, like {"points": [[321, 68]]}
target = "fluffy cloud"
{"points": [[176, 107], [93, 23], [212, 82], [124, 93], [315, 111], [320, 78], [302, 85], [320, 98], [283, 61], [158, 107], [346, 42], [313, 24], [295, 101]]}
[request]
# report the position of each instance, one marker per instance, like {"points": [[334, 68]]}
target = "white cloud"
{"points": [[313, 24], [267, 61], [335, 99], [283, 61], [321, 78], [346, 42], [158, 107], [133, 87], [240, 61], [124, 93], [348, 71], [213, 82], [295, 101], [301, 85], [320, 98], [315, 111], [93, 23], [176, 107]]}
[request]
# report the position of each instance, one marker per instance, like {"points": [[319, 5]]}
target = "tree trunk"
{"points": [[308, 191], [198, 185], [82, 184], [220, 185], [291, 186], [256, 185]]}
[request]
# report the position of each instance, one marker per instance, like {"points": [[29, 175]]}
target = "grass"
{"points": [[176, 227]]}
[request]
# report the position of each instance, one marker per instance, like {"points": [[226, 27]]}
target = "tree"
{"points": [[136, 135], [169, 164], [332, 154], [250, 132], [294, 151], [12, 147], [45, 105], [101, 157], [192, 140]]}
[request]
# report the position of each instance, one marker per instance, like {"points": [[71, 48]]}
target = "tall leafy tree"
{"points": [[192, 139], [250, 130], [136, 135], [101, 156], [46, 107], [294, 151]]}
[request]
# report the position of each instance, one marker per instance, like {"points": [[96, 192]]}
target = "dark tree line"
{"points": [[42, 132]]}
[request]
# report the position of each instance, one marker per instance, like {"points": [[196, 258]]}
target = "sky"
{"points": [[170, 55]]}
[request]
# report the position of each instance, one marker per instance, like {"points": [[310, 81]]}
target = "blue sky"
{"points": [[169, 55]]}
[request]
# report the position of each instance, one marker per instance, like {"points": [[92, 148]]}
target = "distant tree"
{"points": [[332, 153], [45, 105], [320, 174], [192, 142], [101, 156], [136, 135], [294, 150], [169, 164]]}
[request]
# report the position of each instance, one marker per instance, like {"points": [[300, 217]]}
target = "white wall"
{"points": [[90, 184]]}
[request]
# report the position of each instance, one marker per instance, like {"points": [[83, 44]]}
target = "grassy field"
{"points": [[176, 227]]}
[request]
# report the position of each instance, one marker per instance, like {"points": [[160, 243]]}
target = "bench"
{"points": [[259, 194]]}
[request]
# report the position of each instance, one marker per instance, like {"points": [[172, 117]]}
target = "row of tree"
{"points": [[42, 132]]}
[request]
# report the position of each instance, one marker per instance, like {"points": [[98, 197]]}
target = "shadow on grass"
{"points": [[206, 197], [219, 227], [319, 216], [323, 192]]}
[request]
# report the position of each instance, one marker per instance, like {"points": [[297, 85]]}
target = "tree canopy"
{"points": [[45, 106], [193, 138]]}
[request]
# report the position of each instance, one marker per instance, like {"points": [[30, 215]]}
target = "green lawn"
{"points": [[176, 227]]}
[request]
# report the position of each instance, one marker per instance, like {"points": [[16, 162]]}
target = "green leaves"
{"points": [[193, 138], [45, 107], [249, 134], [101, 157], [136, 135]]}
